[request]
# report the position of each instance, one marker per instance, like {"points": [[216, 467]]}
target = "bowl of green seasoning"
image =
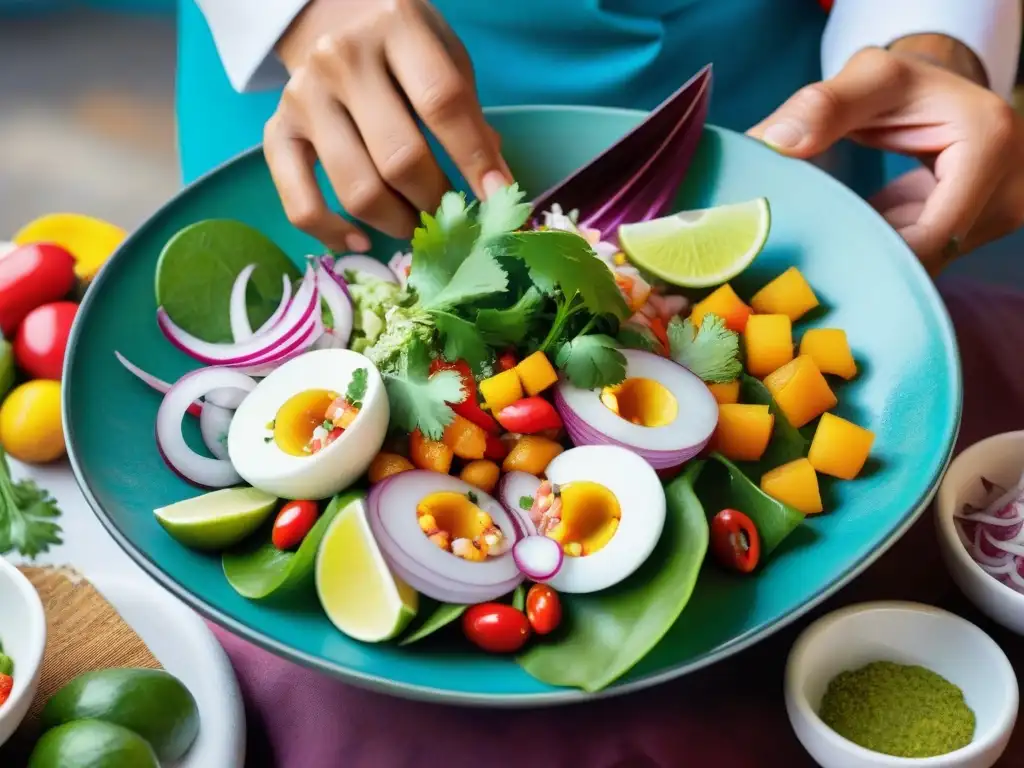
{"points": [[900, 685]]}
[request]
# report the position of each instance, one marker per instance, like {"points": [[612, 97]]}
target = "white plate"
{"points": [[187, 649]]}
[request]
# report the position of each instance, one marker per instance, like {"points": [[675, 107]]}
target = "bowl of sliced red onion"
{"points": [[980, 521]]}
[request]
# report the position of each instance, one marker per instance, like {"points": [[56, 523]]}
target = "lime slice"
{"points": [[357, 590], [697, 249], [218, 519]]}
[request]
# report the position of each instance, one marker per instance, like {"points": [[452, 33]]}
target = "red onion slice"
{"points": [[513, 488], [201, 470], [538, 557], [340, 305], [153, 382], [214, 423], [356, 262], [239, 312]]}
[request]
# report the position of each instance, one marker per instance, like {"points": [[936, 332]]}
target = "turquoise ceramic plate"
{"points": [[908, 393]]}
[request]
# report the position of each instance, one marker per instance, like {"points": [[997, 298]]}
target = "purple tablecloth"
{"points": [[729, 716]]}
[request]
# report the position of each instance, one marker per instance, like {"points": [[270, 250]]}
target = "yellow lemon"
{"points": [[30, 422], [89, 240]]}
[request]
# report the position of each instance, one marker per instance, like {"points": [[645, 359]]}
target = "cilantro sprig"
{"points": [[356, 388], [419, 399], [712, 351], [27, 515]]}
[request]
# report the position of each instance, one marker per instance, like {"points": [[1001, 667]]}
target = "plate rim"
{"points": [[385, 685]]}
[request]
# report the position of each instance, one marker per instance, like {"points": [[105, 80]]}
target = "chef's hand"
{"points": [[362, 72], [918, 101]]}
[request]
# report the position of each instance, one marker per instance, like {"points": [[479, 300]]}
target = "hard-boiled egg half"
{"points": [[661, 411], [607, 511], [312, 427]]}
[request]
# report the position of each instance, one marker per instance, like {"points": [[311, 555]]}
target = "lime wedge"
{"points": [[357, 590], [697, 249], [218, 519]]}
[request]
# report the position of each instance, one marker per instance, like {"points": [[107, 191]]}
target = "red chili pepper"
{"points": [[293, 522], [506, 361], [529, 416], [826, 4], [6, 686], [495, 450], [469, 408], [735, 541]]}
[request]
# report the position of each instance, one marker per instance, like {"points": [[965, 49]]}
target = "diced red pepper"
{"points": [[469, 408], [660, 332], [529, 416], [6, 686], [496, 449], [506, 361]]}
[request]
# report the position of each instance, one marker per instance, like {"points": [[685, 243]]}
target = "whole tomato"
{"points": [[735, 540], [496, 627], [30, 276], [293, 522], [42, 339], [543, 609]]}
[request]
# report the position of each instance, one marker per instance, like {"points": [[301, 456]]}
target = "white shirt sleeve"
{"points": [[990, 28], [245, 34]]}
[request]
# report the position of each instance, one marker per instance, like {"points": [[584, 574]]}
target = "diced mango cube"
{"points": [[432, 455], [840, 447], [830, 351], [536, 373], [466, 439], [788, 294], [532, 454], [385, 464], [501, 389], [726, 393], [800, 391], [482, 474], [796, 484], [727, 305], [743, 431], [767, 343]]}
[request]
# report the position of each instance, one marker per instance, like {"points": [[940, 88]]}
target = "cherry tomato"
{"points": [[735, 540], [496, 627], [6, 686], [543, 609], [506, 361], [293, 522], [42, 339], [30, 276], [529, 416], [469, 408]]}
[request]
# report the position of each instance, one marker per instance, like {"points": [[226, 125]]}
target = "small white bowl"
{"points": [[904, 633], [23, 635], [999, 458]]}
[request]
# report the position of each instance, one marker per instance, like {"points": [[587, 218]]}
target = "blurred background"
{"points": [[87, 117]]}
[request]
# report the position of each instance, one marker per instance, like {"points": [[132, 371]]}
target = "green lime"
{"points": [[218, 519], [92, 744], [149, 702], [357, 589], [697, 249]]}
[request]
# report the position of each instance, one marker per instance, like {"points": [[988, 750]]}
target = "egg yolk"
{"points": [[590, 516], [299, 417], [644, 402], [456, 524]]}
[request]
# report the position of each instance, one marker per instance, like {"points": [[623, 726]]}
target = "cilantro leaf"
{"points": [[419, 400], [478, 276], [592, 362], [440, 245], [636, 336], [512, 324], [712, 352], [356, 388], [462, 340], [526, 503], [504, 211], [566, 260], [27, 515]]}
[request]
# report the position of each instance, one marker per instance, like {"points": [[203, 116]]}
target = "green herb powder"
{"points": [[898, 710]]}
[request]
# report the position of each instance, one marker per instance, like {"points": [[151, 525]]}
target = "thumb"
{"points": [[817, 116]]}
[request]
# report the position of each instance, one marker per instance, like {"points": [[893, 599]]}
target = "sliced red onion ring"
{"points": [[340, 305], [257, 348], [538, 557], [400, 264], [514, 487], [327, 262], [356, 262], [201, 470], [422, 564], [229, 398], [153, 382], [239, 312], [214, 422]]}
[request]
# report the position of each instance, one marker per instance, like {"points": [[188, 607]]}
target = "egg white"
{"points": [[642, 503], [264, 465]]}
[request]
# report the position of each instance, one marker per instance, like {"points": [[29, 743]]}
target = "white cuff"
{"points": [[990, 28], [245, 34]]}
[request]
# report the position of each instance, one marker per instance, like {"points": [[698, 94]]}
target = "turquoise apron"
{"points": [[626, 53]]}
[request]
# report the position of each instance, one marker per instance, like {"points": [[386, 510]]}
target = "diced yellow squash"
{"points": [[796, 484], [767, 343], [726, 393], [432, 455], [536, 373], [466, 439], [840, 447], [788, 294], [532, 454], [743, 431], [726, 304], [800, 391], [384, 465], [830, 351], [501, 389], [483, 474]]}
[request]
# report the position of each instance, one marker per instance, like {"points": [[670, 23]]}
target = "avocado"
{"points": [[149, 702], [92, 744]]}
